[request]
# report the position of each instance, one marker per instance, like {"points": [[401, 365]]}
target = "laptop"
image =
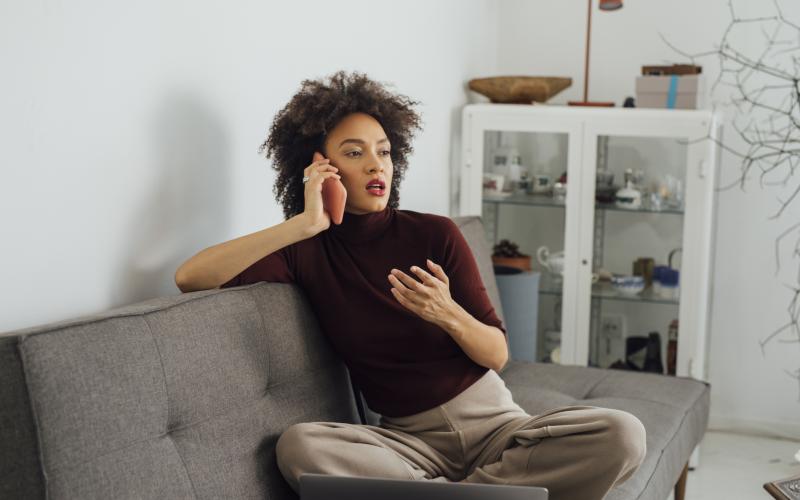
{"points": [[327, 487]]}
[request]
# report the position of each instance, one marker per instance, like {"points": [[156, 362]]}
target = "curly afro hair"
{"points": [[300, 128]]}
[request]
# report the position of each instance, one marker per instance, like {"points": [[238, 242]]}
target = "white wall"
{"points": [[749, 391], [130, 130]]}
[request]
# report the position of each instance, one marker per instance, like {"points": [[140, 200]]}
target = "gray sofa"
{"points": [[184, 396]]}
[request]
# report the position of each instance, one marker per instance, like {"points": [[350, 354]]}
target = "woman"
{"points": [[399, 295]]}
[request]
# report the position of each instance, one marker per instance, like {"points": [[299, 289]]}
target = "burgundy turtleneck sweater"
{"points": [[402, 363]]}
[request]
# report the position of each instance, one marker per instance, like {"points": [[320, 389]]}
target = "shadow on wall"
{"points": [[186, 206]]}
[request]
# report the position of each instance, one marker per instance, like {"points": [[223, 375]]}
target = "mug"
{"points": [[493, 183], [540, 183]]}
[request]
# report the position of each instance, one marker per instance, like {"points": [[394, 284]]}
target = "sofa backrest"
{"points": [[180, 396]]}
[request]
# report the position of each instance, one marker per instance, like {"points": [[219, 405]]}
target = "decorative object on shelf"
{"points": [[506, 253], [560, 190], [604, 189], [519, 89], [628, 285], [604, 275], [519, 295], [666, 278], [506, 161], [652, 358], [630, 102], [672, 254], [629, 196], [552, 262], [666, 192], [515, 171], [665, 282], [657, 272], [672, 347], [502, 156], [560, 187], [493, 184], [541, 184], [644, 267], [675, 69], [524, 184], [635, 352], [605, 5], [668, 283], [680, 86]]}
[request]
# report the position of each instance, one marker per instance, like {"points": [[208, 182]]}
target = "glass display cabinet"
{"points": [[615, 209]]}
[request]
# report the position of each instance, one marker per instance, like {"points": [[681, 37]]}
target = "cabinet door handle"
{"points": [[701, 169]]}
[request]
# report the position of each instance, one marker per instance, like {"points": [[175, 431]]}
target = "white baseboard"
{"points": [[783, 429]]}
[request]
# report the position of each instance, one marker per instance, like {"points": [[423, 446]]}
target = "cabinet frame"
{"points": [[702, 130]]}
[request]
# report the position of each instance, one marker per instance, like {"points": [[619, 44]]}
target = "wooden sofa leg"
{"points": [[680, 486]]}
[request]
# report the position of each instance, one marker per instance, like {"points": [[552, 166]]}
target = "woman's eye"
{"points": [[359, 152]]}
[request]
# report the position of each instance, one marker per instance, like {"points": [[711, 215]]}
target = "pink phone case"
{"points": [[334, 195]]}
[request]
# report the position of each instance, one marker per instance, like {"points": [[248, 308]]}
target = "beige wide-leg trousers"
{"points": [[479, 436]]}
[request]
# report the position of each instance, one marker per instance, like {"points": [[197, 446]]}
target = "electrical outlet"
{"points": [[612, 326]]}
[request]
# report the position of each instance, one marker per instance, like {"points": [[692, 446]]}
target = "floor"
{"points": [[735, 466]]}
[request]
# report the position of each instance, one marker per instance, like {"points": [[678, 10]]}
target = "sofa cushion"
{"points": [[472, 228], [20, 472], [674, 411], [181, 396]]}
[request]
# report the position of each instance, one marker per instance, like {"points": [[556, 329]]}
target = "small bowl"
{"points": [[628, 285]]}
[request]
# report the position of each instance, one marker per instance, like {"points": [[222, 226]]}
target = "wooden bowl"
{"points": [[519, 89]]}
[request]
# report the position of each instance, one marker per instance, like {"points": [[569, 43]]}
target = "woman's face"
{"points": [[359, 148]]}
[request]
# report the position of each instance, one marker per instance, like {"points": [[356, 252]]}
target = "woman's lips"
{"points": [[376, 187]]}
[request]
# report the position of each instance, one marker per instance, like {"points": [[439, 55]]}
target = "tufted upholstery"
{"points": [[184, 397]]}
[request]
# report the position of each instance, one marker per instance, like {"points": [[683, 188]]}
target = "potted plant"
{"points": [[506, 253]]}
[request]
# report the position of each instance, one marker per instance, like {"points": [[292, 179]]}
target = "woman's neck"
{"points": [[360, 228]]}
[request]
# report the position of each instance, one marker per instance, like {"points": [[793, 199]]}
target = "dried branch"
{"points": [[765, 95]]}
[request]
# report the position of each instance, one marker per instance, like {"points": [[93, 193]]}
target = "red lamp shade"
{"points": [[610, 4]]}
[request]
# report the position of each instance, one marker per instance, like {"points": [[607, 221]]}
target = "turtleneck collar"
{"points": [[359, 228]]}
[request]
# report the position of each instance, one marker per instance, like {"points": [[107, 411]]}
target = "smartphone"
{"points": [[334, 195]]}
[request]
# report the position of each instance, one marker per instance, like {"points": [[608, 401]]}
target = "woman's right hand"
{"points": [[317, 218]]}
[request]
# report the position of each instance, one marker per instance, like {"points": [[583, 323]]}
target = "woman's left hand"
{"points": [[430, 299]]}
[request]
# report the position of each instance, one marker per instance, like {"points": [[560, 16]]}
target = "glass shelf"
{"points": [[604, 290], [539, 200]]}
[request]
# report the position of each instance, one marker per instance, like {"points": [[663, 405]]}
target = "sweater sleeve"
{"points": [[275, 267], [466, 285]]}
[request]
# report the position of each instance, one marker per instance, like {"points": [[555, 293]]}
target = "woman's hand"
{"points": [[430, 299], [314, 212]]}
